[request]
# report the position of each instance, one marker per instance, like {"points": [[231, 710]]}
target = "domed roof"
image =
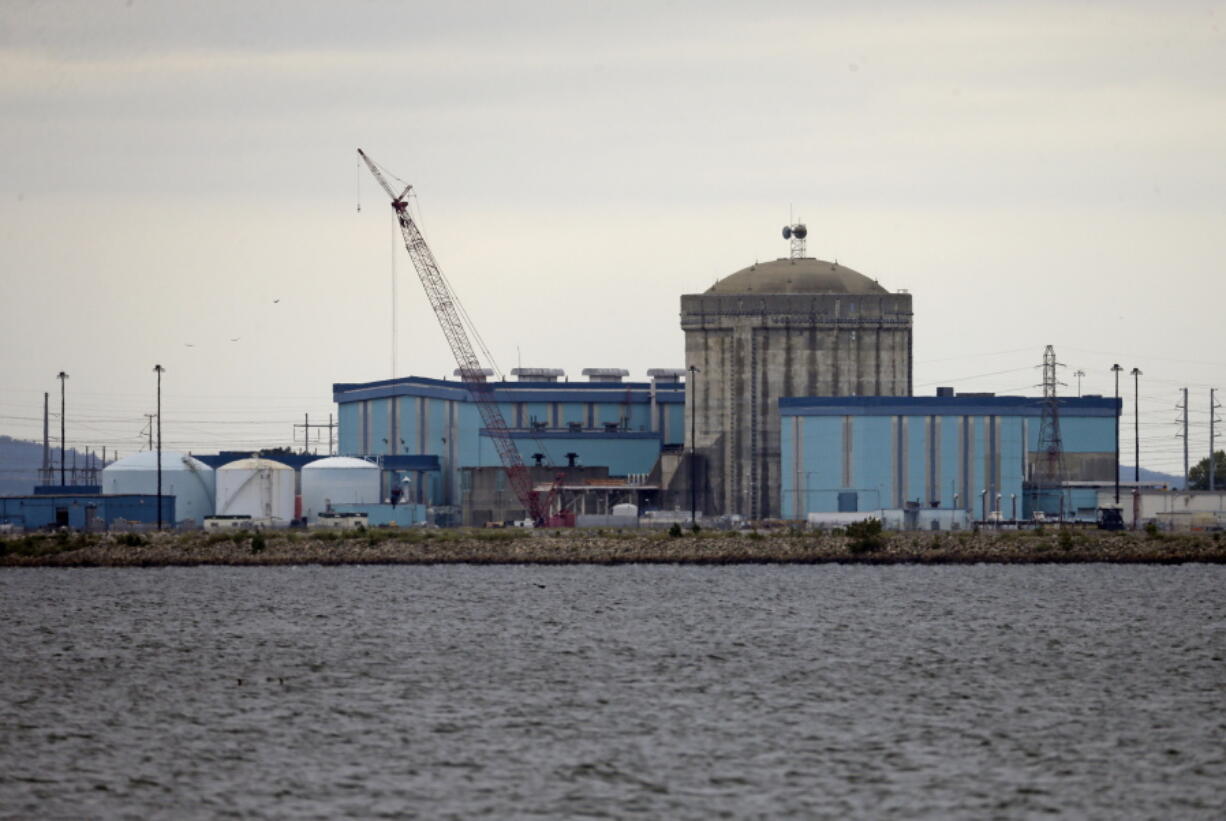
{"points": [[148, 460], [340, 462], [796, 276], [255, 463]]}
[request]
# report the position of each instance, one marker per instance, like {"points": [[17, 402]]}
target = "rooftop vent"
{"points": [[666, 374], [605, 374], [486, 372], [537, 374]]}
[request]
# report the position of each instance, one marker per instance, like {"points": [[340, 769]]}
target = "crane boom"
{"points": [[446, 308]]}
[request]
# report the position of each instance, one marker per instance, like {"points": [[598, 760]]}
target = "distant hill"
{"points": [[20, 461], [1172, 481]]}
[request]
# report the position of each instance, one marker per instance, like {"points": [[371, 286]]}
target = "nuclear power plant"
{"points": [[775, 353], [793, 401]]}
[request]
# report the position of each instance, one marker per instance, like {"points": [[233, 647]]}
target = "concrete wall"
{"points": [[751, 350]]}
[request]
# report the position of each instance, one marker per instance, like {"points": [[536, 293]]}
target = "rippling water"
{"points": [[588, 692]]}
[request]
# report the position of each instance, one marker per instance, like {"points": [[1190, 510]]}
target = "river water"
{"points": [[597, 692]]}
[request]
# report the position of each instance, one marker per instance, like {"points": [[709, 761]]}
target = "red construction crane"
{"points": [[447, 308]]}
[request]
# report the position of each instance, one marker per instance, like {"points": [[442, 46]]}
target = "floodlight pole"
{"points": [[1136, 435], [158, 369], [1136, 417], [1116, 368], [693, 446]]}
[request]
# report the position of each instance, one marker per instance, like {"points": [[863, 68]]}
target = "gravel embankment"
{"points": [[587, 547]]}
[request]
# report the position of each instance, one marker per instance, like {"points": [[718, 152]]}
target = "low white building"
{"points": [[1171, 509], [184, 477]]}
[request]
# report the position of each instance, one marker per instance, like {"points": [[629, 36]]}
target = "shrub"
{"points": [[865, 536], [675, 530], [132, 540], [257, 543], [1065, 539], [695, 528], [1151, 530]]}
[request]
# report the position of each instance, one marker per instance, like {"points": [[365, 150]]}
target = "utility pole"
{"points": [[1184, 435], [63, 377], [149, 422], [690, 386], [158, 369], [46, 477], [306, 433], [1213, 406], [1116, 369]]}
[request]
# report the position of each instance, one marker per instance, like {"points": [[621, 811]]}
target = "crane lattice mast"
{"points": [[447, 308]]}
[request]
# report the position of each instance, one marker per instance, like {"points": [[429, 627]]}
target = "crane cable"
{"points": [[415, 205]]}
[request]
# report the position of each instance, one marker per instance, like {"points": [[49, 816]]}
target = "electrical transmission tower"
{"points": [[1048, 475]]}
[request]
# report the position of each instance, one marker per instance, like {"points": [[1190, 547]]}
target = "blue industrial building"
{"points": [[83, 511], [430, 431], [968, 452]]}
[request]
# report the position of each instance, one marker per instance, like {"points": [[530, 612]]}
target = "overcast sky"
{"points": [[180, 186]]}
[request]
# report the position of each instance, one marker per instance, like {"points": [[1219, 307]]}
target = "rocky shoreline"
{"points": [[546, 547]]}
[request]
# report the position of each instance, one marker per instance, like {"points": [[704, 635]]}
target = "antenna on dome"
{"points": [[796, 233]]}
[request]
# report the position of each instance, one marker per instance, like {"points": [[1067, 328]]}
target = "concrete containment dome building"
{"points": [[788, 328], [184, 477]]}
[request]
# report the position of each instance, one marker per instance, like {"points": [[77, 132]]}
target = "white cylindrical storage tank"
{"points": [[338, 480], [626, 509], [260, 488], [184, 477]]}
